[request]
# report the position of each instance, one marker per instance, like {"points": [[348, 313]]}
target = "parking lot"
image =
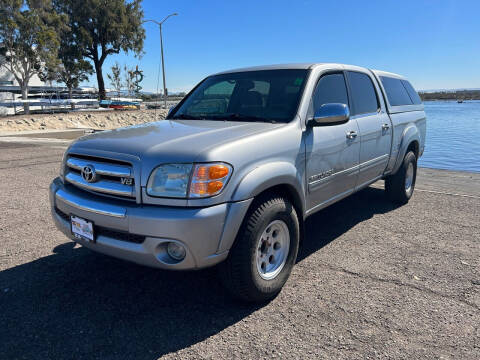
{"points": [[372, 281]]}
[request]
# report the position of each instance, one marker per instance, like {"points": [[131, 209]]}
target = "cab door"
{"points": [[332, 151], [374, 124]]}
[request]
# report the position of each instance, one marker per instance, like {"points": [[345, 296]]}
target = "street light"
{"points": [[161, 50]]}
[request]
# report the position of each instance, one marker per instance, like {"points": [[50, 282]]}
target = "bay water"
{"points": [[453, 136]]}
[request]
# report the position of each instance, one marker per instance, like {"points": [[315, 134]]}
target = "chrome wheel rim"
{"points": [[409, 178], [272, 249]]}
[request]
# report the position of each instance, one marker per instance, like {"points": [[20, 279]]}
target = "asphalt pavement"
{"points": [[373, 280]]}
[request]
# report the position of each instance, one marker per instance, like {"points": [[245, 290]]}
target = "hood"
{"points": [[170, 140]]}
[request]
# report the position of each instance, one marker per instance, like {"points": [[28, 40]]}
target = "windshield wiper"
{"points": [[187, 117], [242, 117], [231, 117]]}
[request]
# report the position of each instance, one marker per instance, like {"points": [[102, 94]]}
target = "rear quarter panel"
{"points": [[407, 127], [409, 124]]}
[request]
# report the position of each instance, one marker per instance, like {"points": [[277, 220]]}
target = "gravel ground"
{"points": [[372, 281]]}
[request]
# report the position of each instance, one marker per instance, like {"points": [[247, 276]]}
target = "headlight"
{"points": [[188, 180], [169, 180]]}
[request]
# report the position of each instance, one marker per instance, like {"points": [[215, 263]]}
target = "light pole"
{"points": [[161, 51]]}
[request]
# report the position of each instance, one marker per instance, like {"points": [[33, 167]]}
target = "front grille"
{"points": [[62, 214], [100, 175], [107, 232]]}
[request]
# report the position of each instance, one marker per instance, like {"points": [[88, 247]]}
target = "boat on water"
{"points": [[459, 101]]}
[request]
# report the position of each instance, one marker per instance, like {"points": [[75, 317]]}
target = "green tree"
{"points": [[73, 68], [73, 73], [29, 39], [100, 28], [116, 78], [130, 80]]}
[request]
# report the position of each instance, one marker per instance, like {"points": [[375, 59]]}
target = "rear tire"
{"points": [[399, 187], [264, 252]]}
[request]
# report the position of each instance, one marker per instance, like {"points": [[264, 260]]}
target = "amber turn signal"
{"points": [[217, 172], [214, 186], [209, 179]]}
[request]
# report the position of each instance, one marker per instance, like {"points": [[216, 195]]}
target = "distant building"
{"points": [[10, 91], [9, 86], [39, 93]]}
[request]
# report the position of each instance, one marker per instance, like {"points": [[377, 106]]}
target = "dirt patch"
{"points": [[75, 120]]}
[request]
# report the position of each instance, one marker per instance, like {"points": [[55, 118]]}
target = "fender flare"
{"points": [[410, 134], [268, 175]]}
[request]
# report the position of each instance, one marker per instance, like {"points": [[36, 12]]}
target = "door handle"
{"points": [[385, 127], [351, 134]]}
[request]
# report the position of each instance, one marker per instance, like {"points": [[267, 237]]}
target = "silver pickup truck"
{"points": [[230, 176]]}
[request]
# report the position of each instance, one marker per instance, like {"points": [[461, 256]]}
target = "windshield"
{"points": [[268, 95]]}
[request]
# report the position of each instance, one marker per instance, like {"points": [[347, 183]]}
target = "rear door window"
{"points": [[364, 96], [331, 88], [397, 93], [411, 92]]}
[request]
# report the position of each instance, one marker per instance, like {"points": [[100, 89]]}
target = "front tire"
{"points": [[399, 187], [264, 252]]}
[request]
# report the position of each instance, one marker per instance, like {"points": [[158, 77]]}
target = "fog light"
{"points": [[176, 251]]}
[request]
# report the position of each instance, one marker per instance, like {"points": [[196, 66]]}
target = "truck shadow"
{"points": [[78, 304], [331, 222]]}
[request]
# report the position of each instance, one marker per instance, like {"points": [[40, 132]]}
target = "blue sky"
{"points": [[436, 44]]}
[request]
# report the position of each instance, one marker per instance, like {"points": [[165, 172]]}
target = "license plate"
{"points": [[82, 229]]}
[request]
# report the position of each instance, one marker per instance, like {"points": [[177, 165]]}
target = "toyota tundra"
{"points": [[230, 175]]}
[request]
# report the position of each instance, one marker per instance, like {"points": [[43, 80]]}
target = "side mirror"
{"points": [[170, 111], [331, 114]]}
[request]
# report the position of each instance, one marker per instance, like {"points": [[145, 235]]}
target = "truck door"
{"points": [[374, 124], [332, 151]]}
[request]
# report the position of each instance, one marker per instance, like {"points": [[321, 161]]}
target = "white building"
{"points": [[10, 90], [9, 85], [40, 94]]}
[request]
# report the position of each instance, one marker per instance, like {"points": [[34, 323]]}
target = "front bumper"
{"points": [[207, 233]]}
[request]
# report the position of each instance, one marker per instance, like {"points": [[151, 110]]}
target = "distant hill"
{"points": [[467, 94]]}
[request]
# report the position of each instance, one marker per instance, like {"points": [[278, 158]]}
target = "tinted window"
{"points": [[222, 88], [246, 96], [396, 92], [411, 92], [363, 93], [330, 89]]}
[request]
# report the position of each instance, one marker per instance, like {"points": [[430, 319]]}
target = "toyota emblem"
{"points": [[89, 174]]}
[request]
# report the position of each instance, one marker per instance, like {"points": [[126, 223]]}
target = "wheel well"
{"points": [[413, 146], [291, 194]]}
